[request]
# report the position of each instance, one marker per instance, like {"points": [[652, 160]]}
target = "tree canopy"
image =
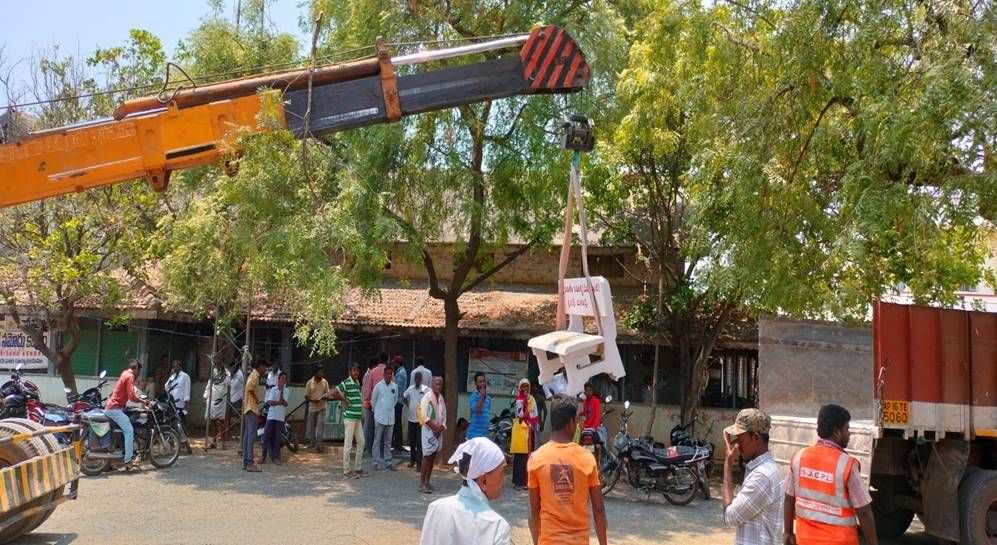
{"points": [[762, 176]]}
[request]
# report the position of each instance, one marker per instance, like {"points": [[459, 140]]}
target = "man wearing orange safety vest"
{"points": [[824, 491]]}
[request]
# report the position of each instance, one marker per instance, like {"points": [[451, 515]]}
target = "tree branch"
{"points": [[752, 11], [496, 268], [844, 101], [427, 260]]}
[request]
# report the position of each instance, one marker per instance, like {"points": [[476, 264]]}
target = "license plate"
{"points": [[896, 412]]}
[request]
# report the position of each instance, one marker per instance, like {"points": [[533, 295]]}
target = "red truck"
{"points": [[922, 389]]}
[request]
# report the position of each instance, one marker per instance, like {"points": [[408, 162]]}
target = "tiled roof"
{"points": [[512, 309], [506, 309]]}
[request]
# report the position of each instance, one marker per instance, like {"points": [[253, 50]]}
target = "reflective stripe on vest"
{"points": [[821, 492]]}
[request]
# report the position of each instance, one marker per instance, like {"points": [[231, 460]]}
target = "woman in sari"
{"points": [[524, 424]]}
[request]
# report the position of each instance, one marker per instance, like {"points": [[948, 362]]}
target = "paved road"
{"points": [[207, 500]]}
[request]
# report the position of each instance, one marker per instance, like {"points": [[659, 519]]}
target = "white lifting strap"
{"points": [[582, 356], [575, 195]]}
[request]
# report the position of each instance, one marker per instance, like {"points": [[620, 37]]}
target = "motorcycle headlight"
{"points": [[620, 442]]}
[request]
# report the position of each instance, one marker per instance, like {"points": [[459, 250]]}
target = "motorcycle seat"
{"points": [[95, 416], [677, 455]]}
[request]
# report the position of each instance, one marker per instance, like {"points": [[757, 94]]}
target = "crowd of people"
{"points": [[820, 500]]}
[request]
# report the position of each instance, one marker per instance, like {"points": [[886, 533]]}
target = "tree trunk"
{"points": [[451, 387], [657, 353], [694, 381], [688, 400], [63, 364]]}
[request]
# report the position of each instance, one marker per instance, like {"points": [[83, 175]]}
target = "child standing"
{"points": [[276, 400]]}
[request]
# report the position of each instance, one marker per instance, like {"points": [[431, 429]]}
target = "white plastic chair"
{"points": [[582, 355]]}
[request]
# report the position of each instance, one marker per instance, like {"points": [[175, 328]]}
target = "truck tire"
{"points": [[12, 453], [978, 507]]}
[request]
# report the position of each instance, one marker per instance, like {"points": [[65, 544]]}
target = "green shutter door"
{"points": [[84, 358], [117, 347]]}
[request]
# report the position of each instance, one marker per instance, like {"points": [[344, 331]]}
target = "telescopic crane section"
{"points": [[198, 126]]}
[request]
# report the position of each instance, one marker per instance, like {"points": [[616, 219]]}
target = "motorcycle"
{"points": [[674, 472], [500, 431], [91, 398], [680, 437], [288, 438], [103, 440], [174, 418], [15, 394], [594, 439]]}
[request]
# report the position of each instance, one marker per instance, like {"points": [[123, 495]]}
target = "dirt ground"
{"points": [[206, 499]]}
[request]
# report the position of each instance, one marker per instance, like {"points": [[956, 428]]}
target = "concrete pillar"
{"points": [[285, 349], [142, 345], [53, 346]]}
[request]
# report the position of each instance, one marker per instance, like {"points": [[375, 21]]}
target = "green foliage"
{"points": [[809, 180], [63, 256], [800, 159]]}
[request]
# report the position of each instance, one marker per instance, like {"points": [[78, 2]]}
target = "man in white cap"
{"points": [[466, 518], [756, 510]]}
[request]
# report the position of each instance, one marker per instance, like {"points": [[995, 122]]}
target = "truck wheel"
{"points": [[978, 508], [12, 453]]}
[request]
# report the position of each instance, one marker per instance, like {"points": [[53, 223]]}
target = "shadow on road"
{"points": [[47, 539], [394, 496]]}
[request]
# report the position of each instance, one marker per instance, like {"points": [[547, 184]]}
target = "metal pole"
{"points": [[245, 376], [211, 381], [440, 54]]}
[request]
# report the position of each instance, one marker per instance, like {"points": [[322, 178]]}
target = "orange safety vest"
{"points": [[824, 513]]}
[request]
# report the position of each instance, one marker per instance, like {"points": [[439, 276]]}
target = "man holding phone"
{"points": [[481, 408], [756, 510]]}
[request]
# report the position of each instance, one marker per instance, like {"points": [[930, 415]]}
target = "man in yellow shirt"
{"points": [[250, 414], [316, 392]]}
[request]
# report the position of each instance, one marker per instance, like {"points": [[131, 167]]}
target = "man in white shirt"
{"points": [[178, 387], [420, 369], [272, 374], [383, 400], [237, 383], [467, 517], [412, 398], [557, 386]]}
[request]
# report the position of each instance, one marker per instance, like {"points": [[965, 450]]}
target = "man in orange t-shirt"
{"points": [[563, 480]]}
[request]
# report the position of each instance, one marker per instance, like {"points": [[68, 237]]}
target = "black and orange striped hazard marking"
{"points": [[552, 60], [33, 478]]}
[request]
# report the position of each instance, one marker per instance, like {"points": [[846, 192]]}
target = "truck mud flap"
{"points": [[946, 466]]}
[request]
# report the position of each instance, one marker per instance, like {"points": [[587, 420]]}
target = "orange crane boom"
{"points": [[149, 139]]}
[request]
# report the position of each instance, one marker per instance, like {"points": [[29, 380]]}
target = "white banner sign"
{"points": [[502, 369], [578, 296], [16, 348]]}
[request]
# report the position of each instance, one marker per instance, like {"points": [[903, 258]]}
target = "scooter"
{"points": [[675, 472]]}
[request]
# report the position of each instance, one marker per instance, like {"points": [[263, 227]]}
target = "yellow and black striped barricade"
{"points": [[39, 476]]}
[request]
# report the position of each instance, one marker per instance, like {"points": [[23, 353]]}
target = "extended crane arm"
{"points": [[148, 139]]}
